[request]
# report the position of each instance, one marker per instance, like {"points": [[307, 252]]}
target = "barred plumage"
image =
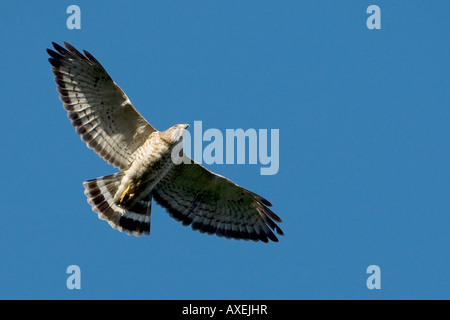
{"points": [[100, 193]]}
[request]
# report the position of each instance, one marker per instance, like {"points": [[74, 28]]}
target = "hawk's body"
{"points": [[107, 121]]}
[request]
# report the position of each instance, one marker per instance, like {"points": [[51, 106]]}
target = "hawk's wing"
{"points": [[99, 110], [213, 204]]}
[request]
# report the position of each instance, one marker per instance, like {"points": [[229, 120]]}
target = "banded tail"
{"points": [[100, 193]]}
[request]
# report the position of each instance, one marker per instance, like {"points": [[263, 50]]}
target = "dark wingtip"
{"points": [[91, 58], [58, 48], [260, 199], [52, 53], [279, 231], [264, 201], [54, 58], [272, 215], [54, 62], [69, 47], [272, 237]]}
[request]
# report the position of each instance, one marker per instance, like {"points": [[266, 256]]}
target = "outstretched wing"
{"points": [[99, 110], [215, 205]]}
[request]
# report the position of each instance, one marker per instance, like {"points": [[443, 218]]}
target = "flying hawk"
{"points": [[109, 124]]}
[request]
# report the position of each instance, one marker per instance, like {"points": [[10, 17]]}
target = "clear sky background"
{"points": [[364, 147]]}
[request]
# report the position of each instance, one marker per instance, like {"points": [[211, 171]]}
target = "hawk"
{"points": [[108, 123]]}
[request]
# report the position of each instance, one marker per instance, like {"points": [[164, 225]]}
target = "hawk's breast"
{"points": [[150, 163]]}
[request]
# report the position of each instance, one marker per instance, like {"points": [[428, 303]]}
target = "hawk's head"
{"points": [[174, 134]]}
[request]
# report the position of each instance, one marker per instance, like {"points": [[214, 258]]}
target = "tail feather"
{"points": [[100, 195]]}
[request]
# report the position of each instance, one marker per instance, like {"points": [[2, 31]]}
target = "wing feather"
{"points": [[213, 204], [99, 110]]}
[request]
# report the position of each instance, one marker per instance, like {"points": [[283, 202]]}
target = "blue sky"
{"points": [[363, 117]]}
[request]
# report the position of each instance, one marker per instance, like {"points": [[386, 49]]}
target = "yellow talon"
{"points": [[124, 194]]}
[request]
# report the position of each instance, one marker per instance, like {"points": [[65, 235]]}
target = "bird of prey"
{"points": [[109, 124]]}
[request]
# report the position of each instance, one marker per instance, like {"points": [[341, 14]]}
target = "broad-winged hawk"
{"points": [[109, 124]]}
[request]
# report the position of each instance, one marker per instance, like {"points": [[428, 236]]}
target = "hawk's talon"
{"points": [[125, 196]]}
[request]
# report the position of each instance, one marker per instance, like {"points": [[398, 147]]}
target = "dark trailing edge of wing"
{"points": [[263, 236]]}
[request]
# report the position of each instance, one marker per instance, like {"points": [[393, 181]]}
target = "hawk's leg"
{"points": [[125, 196]]}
